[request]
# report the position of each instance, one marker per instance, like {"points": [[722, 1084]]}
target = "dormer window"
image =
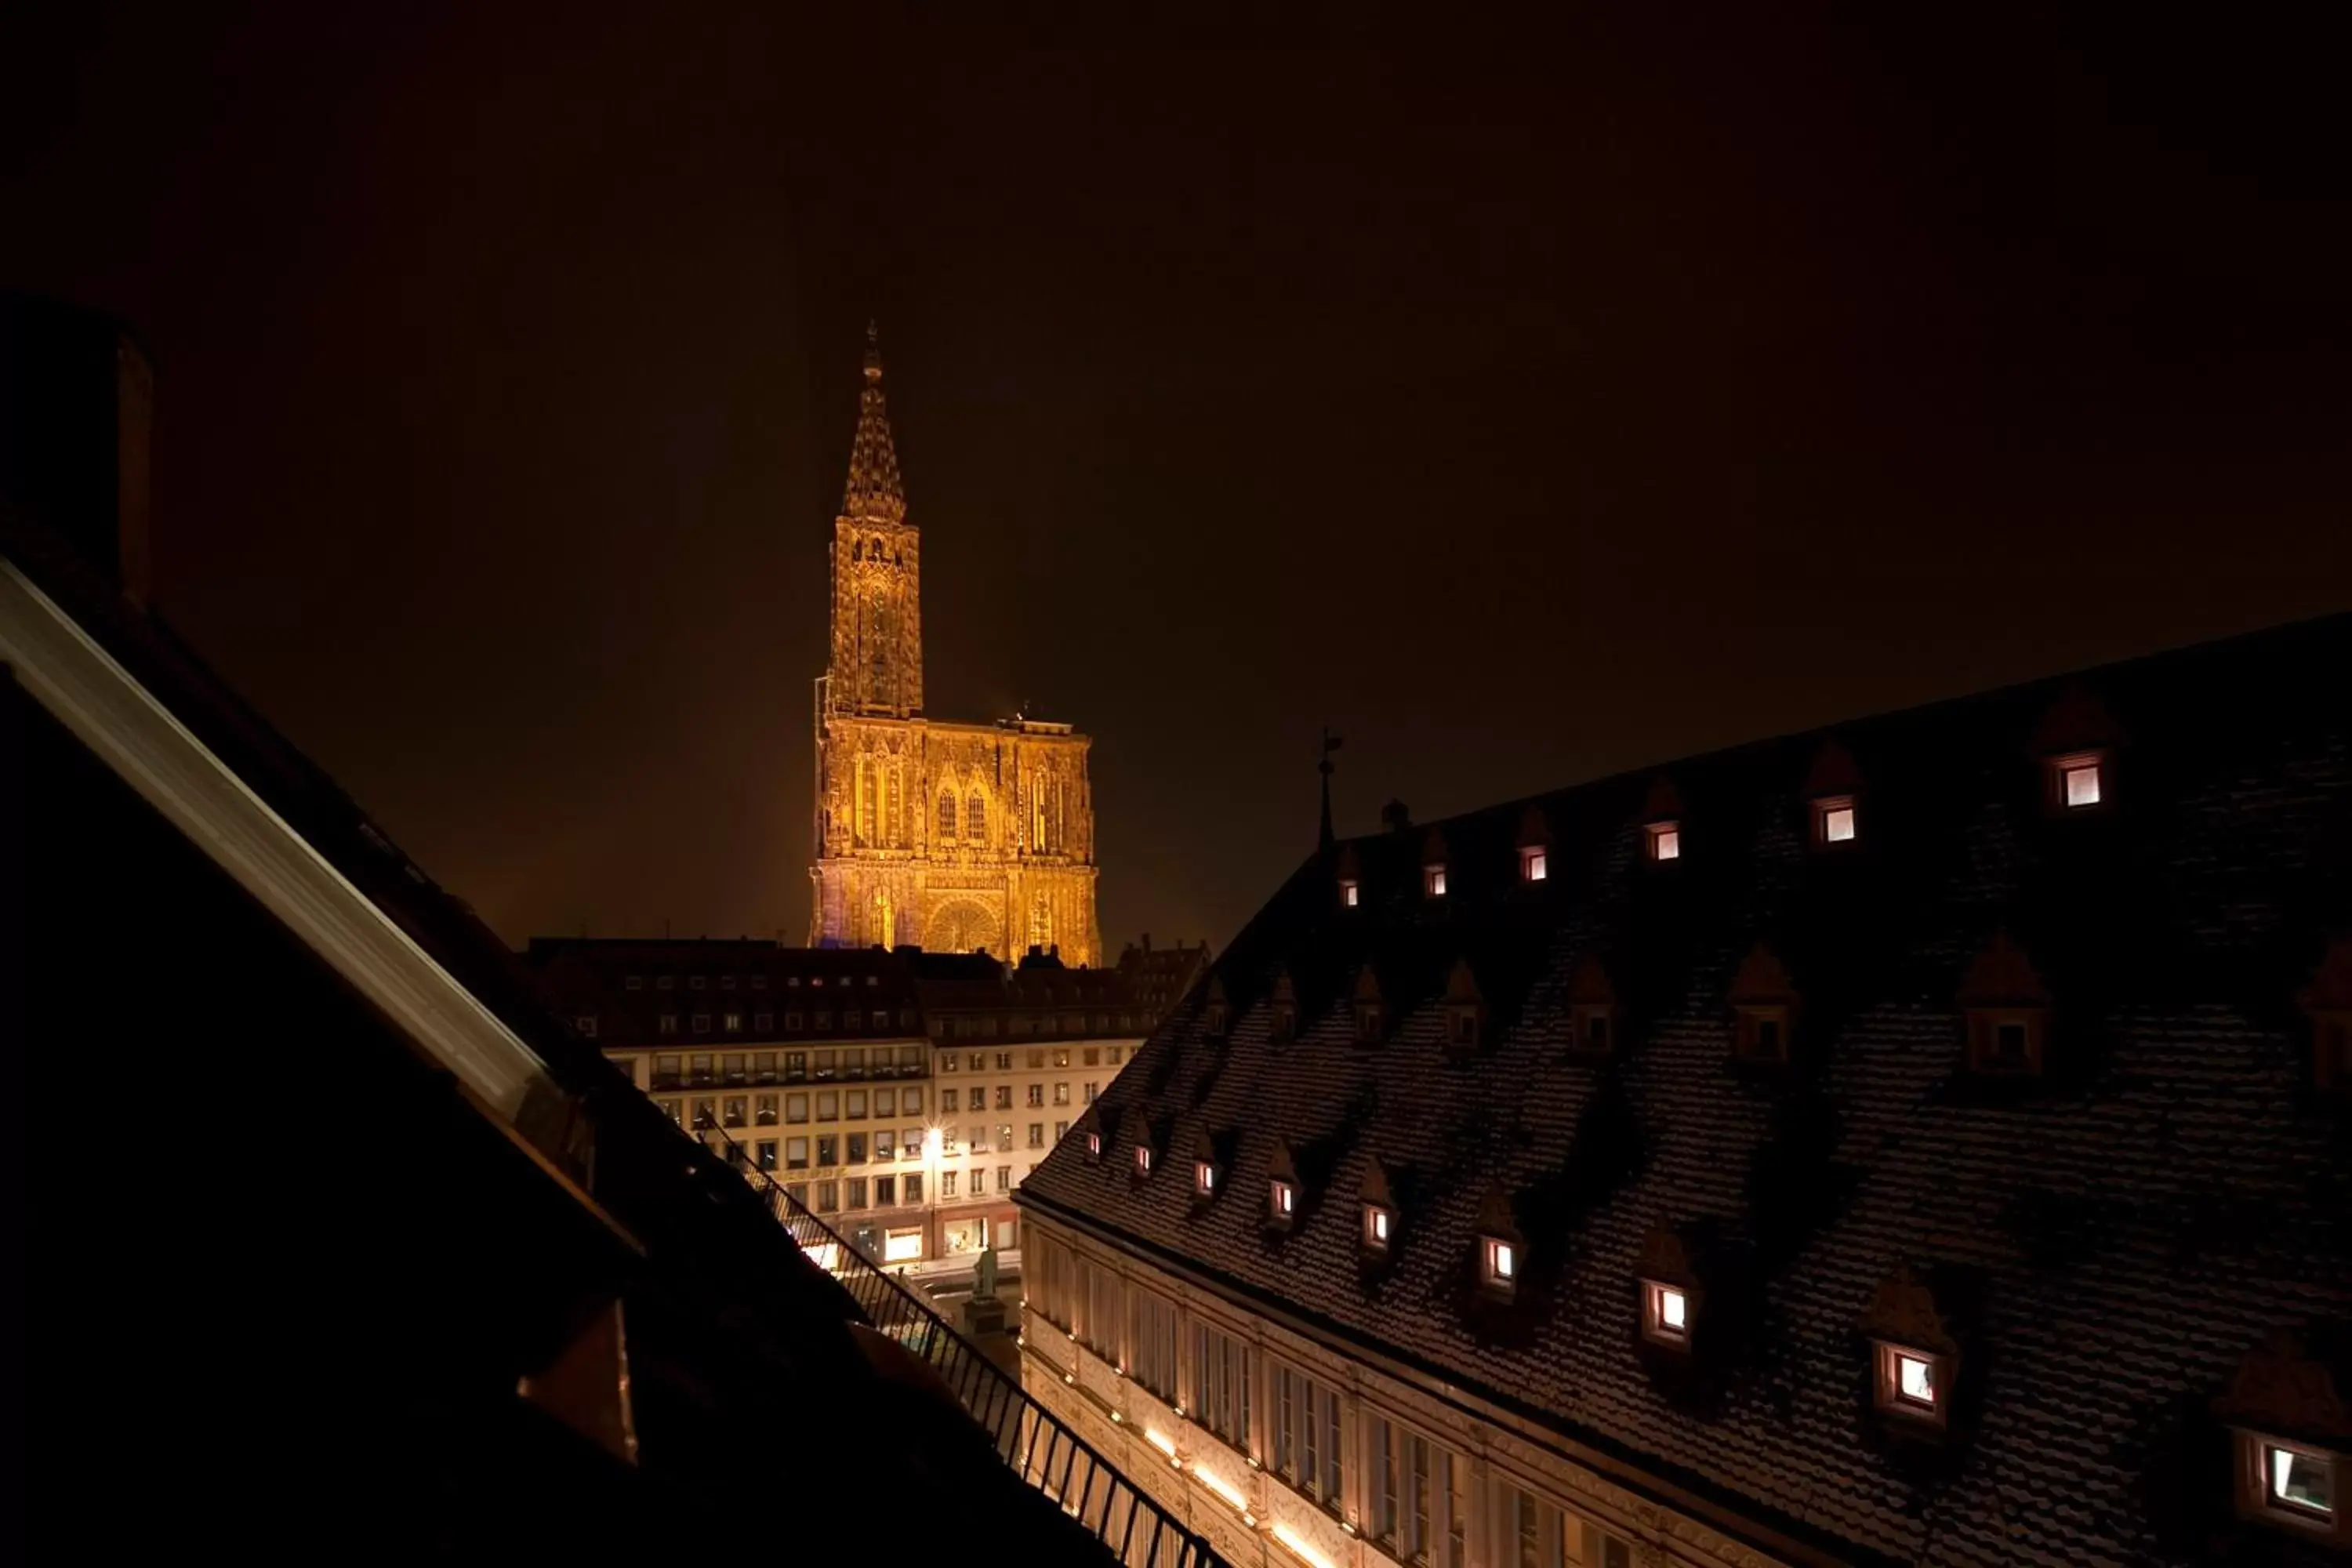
{"points": [[1500, 1267], [1281, 1200], [1462, 1028], [2327, 1002], [1665, 1313], [1665, 840], [2290, 1432], [1533, 864], [1368, 1023], [1593, 1029], [1592, 1007], [1216, 1015], [1380, 1227], [2299, 1482], [1094, 1147], [1914, 1358], [1833, 819], [1204, 1178], [1369, 1007], [1910, 1381], [1763, 1007], [2008, 1011], [1144, 1160], [1432, 880], [2079, 781], [1350, 893]]}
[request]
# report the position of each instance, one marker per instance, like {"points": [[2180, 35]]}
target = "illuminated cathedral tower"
{"points": [[952, 836]]}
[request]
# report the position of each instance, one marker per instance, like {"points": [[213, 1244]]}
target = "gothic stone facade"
{"points": [[953, 837]]}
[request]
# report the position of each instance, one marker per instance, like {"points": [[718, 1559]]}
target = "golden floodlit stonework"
{"points": [[953, 837]]}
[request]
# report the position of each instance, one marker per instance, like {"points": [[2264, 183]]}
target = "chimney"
{"points": [[1395, 817]]}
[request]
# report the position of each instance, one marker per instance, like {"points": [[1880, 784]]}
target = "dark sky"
{"points": [[1526, 405]]}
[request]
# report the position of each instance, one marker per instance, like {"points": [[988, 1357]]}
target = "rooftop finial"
{"points": [[874, 492]]}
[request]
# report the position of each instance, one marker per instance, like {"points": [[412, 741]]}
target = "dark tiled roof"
{"points": [[2106, 1244]]}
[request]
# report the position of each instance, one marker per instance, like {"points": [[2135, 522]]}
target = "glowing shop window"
{"points": [[1915, 1379], [902, 1245], [1665, 841], [2082, 781], [2300, 1481], [1674, 1310], [1532, 865], [1837, 822], [1433, 879]]}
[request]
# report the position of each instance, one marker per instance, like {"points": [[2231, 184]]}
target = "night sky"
{"points": [[1525, 406]]}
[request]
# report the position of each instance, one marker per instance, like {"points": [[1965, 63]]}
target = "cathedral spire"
{"points": [[875, 493]]}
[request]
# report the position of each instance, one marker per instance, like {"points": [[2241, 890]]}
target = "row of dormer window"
{"points": [[732, 1023], [2282, 1481], [2077, 783], [727, 981]]}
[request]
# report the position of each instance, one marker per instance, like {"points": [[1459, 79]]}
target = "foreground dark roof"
{"points": [[2107, 1243]]}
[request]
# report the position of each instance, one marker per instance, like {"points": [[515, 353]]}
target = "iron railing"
{"points": [[1035, 1442]]}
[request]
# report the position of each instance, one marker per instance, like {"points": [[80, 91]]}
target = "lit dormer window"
{"points": [[1833, 819], [1432, 880], [1350, 893], [1665, 1313], [1143, 1159], [1669, 1290], [2299, 1482], [1910, 1379], [1380, 1227], [1281, 1200], [2291, 1459], [1369, 1007], [1914, 1356], [1533, 865], [1204, 1178], [1094, 1147], [2080, 780], [1500, 1270], [1665, 840], [1217, 1015]]}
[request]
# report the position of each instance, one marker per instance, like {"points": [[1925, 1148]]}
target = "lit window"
{"points": [[1142, 1160], [1205, 1174], [1285, 1200], [902, 1245], [1835, 817], [1502, 1263], [1665, 841], [2299, 1482], [1533, 864], [2082, 782], [1349, 894], [1432, 880], [1673, 1311], [1378, 1223], [1915, 1379], [1094, 1145]]}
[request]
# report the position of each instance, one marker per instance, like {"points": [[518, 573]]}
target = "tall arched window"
{"points": [[894, 815], [975, 816], [865, 792], [947, 815]]}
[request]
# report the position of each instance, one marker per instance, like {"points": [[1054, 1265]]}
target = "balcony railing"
{"points": [[1035, 1442]]}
